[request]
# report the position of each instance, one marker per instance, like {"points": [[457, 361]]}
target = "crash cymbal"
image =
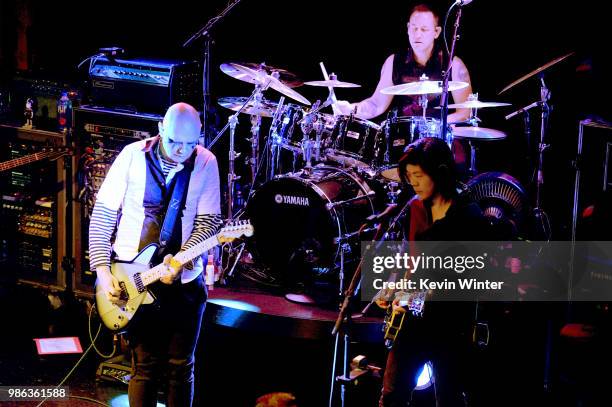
{"points": [[289, 79], [266, 108], [422, 88], [479, 133], [535, 72], [262, 78], [333, 83]]}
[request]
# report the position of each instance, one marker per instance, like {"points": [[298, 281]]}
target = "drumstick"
{"points": [[332, 94]]}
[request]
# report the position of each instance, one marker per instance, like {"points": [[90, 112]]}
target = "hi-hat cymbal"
{"points": [[535, 72], [262, 78], [479, 133], [289, 79], [476, 104], [333, 83], [422, 88], [266, 108]]}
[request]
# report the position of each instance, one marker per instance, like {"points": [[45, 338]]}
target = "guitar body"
{"points": [[113, 316], [134, 276]]}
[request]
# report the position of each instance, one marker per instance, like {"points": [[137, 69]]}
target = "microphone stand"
{"points": [[205, 32], [345, 315], [446, 75]]}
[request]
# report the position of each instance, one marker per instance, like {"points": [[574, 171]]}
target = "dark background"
{"points": [[500, 41]]}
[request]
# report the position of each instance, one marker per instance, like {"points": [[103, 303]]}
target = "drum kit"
{"points": [[326, 173]]}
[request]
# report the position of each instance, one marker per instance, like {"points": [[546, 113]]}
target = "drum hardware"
{"points": [[332, 205], [545, 108], [393, 192], [274, 140], [332, 94], [257, 97]]}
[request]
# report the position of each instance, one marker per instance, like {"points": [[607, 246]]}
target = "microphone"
{"points": [[461, 3]]}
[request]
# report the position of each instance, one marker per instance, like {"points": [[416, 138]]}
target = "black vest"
{"points": [[156, 198], [406, 69]]}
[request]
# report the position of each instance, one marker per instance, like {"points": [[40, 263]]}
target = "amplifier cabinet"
{"points": [[99, 135], [32, 211]]}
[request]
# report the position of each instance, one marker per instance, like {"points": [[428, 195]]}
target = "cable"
{"points": [[75, 366], [94, 339], [88, 399]]}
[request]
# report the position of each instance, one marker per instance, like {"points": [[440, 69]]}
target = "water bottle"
{"points": [[64, 112]]}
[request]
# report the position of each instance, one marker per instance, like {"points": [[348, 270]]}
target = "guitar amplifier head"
{"points": [[143, 85]]}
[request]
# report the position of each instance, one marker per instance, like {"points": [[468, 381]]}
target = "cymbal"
{"points": [[535, 72], [476, 104], [289, 79], [422, 88], [333, 83], [266, 108], [479, 133], [260, 76]]}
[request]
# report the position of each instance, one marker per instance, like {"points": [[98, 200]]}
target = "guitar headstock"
{"points": [[234, 230]]}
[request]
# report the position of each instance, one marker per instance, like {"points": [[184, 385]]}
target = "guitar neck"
{"points": [[16, 162], [152, 275]]}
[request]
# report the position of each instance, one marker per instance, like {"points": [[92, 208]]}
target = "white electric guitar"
{"points": [[134, 276]]}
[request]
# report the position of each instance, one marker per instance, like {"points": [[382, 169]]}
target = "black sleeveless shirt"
{"points": [[406, 69]]}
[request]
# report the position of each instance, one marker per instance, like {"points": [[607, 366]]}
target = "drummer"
{"points": [[425, 56]]}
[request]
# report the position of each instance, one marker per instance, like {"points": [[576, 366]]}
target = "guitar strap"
{"points": [[174, 206]]}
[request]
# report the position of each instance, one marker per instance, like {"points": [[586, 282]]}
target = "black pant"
{"points": [[163, 338], [441, 339]]}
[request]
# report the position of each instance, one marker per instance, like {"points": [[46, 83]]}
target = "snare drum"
{"points": [[397, 134], [355, 138]]}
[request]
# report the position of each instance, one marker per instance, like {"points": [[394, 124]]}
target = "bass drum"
{"points": [[300, 220]]}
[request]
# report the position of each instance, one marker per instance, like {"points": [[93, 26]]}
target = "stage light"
{"points": [[424, 377]]}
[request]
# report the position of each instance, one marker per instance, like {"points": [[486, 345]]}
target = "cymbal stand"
{"points": [[473, 121], [231, 172], [232, 121], [307, 125], [255, 126], [542, 146], [275, 141]]}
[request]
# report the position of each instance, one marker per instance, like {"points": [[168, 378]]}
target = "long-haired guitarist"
{"points": [[162, 190], [441, 335]]}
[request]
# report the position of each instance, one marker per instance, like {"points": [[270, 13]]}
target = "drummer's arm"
{"points": [[460, 73], [378, 103]]}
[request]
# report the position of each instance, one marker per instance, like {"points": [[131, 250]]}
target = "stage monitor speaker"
{"points": [[99, 134]]}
